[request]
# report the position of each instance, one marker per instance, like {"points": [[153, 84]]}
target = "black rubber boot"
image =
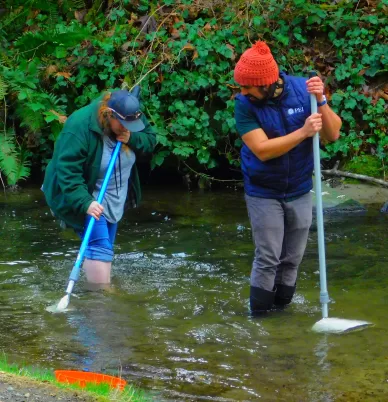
{"points": [[261, 300], [283, 295]]}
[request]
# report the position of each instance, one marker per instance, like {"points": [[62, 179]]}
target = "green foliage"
{"points": [[58, 56], [367, 165], [50, 41], [13, 161], [3, 87]]}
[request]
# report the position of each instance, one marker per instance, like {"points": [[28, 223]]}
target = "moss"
{"points": [[367, 165]]}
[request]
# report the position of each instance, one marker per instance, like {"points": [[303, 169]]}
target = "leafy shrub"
{"points": [[58, 56]]}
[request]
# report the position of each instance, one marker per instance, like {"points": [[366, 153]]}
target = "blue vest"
{"points": [[289, 175]]}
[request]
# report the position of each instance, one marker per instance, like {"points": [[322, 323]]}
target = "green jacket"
{"points": [[72, 173]]}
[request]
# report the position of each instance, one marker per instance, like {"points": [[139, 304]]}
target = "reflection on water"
{"points": [[175, 320]]}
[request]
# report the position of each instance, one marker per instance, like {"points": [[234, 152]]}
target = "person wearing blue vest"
{"points": [[273, 117]]}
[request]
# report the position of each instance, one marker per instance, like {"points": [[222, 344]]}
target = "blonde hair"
{"points": [[104, 115]]}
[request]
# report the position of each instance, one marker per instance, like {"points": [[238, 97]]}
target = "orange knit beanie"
{"points": [[256, 67]]}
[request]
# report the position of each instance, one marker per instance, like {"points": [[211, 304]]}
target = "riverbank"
{"points": [[29, 385], [350, 197], [363, 193], [17, 388]]}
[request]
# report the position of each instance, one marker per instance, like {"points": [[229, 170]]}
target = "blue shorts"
{"points": [[101, 239]]}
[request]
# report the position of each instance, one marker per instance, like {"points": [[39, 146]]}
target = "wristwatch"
{"points": [[324, 101]]}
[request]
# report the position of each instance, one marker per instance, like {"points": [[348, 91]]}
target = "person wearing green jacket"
{"points": [[75, 174]]}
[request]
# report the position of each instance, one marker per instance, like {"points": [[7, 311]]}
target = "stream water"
{"points": [[175, 321]]}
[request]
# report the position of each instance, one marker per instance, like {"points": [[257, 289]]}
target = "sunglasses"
{"points": [[128, 117]]}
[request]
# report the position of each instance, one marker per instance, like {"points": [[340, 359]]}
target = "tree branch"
{"points": [[2, 182], [125, 85], [339, 173], [210, 178]]}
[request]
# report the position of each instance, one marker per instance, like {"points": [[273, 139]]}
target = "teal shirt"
{"points": [[245, 119]]}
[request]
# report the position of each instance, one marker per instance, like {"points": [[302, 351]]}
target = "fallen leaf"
{"points": [[193, 12], [188, 46], [63, 74], [160, 79], [62, 118], [175, 33], [381, 94], [134, 18], [50, 70], [79, 15], [33, 14]]}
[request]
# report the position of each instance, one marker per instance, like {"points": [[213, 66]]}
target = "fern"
{"points": [[45, 42], [32, 102], [54, 14], [67, 5], [17, 82], [29, 40], [11, 17], [3, 88], [30, 111], [17, 12], [22, 171], [71, 5], [5, 59], [43, 5], [31, 119], [13, 160], [22, 9]]}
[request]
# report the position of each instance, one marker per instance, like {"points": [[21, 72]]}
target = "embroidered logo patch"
{"points": [[291, 111]]}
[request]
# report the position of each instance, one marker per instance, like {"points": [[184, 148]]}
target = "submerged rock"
{"points": [[384, 209], [335, 202], [348, 206]]}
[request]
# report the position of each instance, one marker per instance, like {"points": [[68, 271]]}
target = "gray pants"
{"points": [[280, 231]]}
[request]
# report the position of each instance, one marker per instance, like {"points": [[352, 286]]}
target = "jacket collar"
{"points": [[94, 124]]}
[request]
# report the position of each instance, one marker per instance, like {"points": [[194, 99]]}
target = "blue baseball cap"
{"points": [[126, 108]]}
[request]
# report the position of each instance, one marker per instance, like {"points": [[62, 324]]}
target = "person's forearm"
{"points": [[331, 123], [275, 147], [143, 141]]}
